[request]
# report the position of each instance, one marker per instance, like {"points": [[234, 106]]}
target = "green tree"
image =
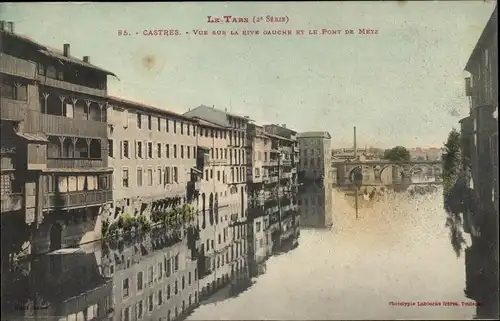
{"points": [[396, 154], [451, 160]]}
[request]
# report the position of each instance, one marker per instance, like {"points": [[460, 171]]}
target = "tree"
{"points": [[396, 154]]}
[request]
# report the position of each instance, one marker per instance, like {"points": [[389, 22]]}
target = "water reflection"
{"points": [[160, 275]]}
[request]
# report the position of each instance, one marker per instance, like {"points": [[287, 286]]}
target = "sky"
{"points": [[401, 86]]}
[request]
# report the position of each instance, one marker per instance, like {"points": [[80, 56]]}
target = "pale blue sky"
{"points": [[403, 86]]}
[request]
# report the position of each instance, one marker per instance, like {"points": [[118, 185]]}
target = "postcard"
{"points": [[329, 160]]}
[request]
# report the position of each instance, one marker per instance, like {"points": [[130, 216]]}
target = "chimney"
{"points": [[213, 106], [10, 25], [283, 125], [86, 59], [66, 50]]}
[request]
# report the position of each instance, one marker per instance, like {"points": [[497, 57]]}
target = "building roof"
{"points": [[277, 136], [489, 31], [50, 52], [223, 111], [207, 123], [148, 108], [314, 135], [281, 127]]}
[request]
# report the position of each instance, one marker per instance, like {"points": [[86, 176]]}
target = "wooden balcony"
{"points": [[76, 199], [13, 109], [75, 163], [12, 202], [64, 126], [17, 67], [46, 81]]}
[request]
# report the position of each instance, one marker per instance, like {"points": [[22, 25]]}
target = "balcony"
{"points": [[234, 218], [217, 161], [17, 67], [286, 175], [13, 109], [46, 81], [286, 162], [271, 179], [74, 163], [64, 126], [12, 202], [76, 199]]}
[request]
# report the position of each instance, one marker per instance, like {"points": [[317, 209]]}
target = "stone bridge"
{"points": [[386, 172]]}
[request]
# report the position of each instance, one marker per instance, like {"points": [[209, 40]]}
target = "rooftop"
{"points": [[320, 134], [489, 31], [148, 108], [54, 53]]}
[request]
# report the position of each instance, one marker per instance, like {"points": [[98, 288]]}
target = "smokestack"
{"points": [[86, 59], [66, 50], [213, 106], [355, 147], [10, 25], [283, 125]]}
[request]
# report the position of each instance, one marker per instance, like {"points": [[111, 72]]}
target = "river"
{"points": [[397, 250]]}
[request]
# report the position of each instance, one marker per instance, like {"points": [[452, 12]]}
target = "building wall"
{"points": [[315, 157], [173, 151]]}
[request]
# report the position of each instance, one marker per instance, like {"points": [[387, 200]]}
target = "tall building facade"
{"points": [[223, 247], [316, 176], [55, 174], [154, 154], [479, 133]]}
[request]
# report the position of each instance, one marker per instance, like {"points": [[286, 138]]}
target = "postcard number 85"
{"points": [[123, 33]]}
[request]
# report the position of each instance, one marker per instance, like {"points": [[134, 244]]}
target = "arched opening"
{"points": [[211, 208], [54, 147], [53, 106], [203, 200], [356, 175], [81, 148], [95, 149], [68, 150], [55, 237]]}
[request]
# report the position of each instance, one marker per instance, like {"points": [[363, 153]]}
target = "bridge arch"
{"points": [[357, 170], [385, 167]]}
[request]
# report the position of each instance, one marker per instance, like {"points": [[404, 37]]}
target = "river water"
{"points": [[398, 250]]}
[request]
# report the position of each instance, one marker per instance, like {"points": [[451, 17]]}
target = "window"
{"points": [[175, 151], [124, 151], [183, 282], [125, 177], [158, 120], [188, 129], [169, 268], [166, 124], [150, 176], [176, 177], [176, 263], [139, 176], [139, 121], [160, 297], [182, 151], [218, 176], [195, 274], [110, 148], [159, 173], [167, 150], [149, 122], [51, 72], [160, 270], [176, 287], [188, 152], [150, 303], [150, 150], [125, 288], [151, 275], [167, 175], [126, 314], [257, 227], [139, 281], [125, 118], [175, 127], [139, 149], [168, 291], [158, 151], [189, 278], [139, 309], [182, 128]]}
